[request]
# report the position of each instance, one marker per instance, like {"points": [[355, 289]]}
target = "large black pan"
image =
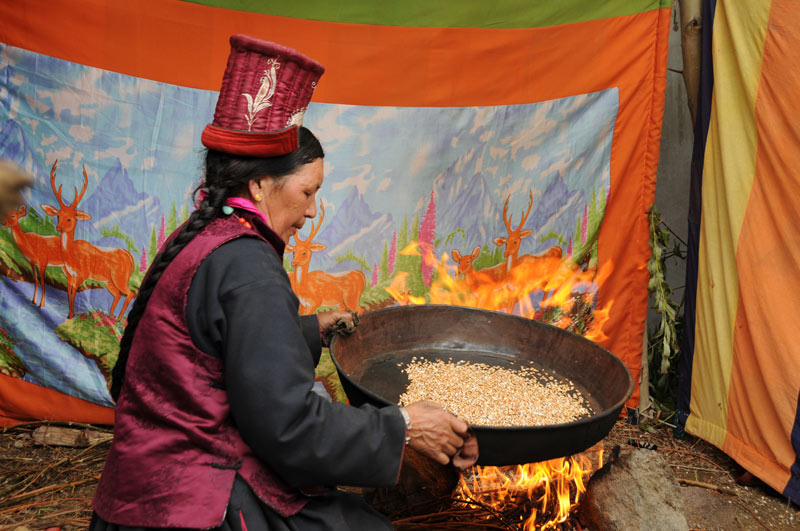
{"points": [[368, 360]]}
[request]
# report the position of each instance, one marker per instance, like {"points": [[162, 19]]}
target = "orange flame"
{"points": [[547, 288], [548, 490]]}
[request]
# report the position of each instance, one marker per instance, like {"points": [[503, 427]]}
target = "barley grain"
{"points": [[487, 395]]}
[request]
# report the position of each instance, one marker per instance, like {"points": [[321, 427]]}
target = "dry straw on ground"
{"points": [[44, 486]]}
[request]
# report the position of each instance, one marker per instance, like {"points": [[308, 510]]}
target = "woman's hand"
{"points": [[336, 322], [440, 435]]}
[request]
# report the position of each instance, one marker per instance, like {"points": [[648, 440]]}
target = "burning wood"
{"points": [[522, 498], [495, 396]]}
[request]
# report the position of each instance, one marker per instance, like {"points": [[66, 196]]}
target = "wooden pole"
{"points": [[691, 44]]}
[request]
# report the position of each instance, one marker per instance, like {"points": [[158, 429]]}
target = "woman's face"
{"points": [[287, 206]]}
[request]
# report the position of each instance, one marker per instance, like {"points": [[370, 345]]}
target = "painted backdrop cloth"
{"points": [[740, 369], [434, 118]]}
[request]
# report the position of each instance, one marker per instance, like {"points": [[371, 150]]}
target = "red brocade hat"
{"points": [[265, 92]]}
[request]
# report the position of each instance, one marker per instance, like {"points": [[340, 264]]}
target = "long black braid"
{"points": [[225, 176]]}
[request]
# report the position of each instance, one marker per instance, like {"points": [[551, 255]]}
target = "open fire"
{"points": [[548, 288], [530, 496]]}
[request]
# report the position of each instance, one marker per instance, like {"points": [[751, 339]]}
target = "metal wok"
{"points": [[367, 362]]}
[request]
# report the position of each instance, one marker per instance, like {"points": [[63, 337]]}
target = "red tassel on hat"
{"points": [[265, 92]]}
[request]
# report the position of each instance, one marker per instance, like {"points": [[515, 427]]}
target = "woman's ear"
{"points": [[256, 189]]}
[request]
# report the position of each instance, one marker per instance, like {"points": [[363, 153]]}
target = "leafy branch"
{"points": [[663, 342]]}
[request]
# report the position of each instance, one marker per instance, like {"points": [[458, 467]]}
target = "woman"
{"points": [[217, 424]]}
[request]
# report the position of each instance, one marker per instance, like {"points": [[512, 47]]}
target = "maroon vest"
{"points": [[176, 450]]}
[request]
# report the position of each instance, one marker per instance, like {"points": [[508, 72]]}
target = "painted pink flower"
{"points": [[427, 234], [162, 234]]}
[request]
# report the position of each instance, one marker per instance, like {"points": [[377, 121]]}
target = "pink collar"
{"points": [[238, 202]]}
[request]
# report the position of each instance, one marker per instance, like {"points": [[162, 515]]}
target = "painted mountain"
{"points": [[353, 227], [115, 202]]}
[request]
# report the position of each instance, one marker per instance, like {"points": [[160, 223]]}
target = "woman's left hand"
{"points": [[336, 322]]}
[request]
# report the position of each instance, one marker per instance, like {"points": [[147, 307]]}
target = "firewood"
{"points": [[58, 436], [50, 435]]}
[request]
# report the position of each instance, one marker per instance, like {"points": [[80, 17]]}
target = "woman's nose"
{"points": [[311, 211]]}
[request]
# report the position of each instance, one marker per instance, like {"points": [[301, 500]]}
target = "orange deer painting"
{"points": [[528, 266], [515, 236], [489, 285], [84, 260], [474, 278], [318, 288], [41, 251]]}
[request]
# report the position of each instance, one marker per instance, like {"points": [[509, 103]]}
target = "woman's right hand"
{"points": [[434, 432]]}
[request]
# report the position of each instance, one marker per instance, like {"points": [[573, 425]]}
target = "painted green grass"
{"points": [[10, 363], [96, 335]]}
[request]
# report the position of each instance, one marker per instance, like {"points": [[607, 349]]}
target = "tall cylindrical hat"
{"points": [[265, 93]]}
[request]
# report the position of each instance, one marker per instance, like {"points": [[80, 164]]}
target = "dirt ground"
{"points": [[43, 487]]}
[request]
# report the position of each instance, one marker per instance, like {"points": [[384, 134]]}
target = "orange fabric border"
{"points": [[164, 40], [42, 403], [634, 152]]}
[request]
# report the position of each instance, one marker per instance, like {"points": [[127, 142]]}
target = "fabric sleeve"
{"points": [[310, 327], [269, 376]]}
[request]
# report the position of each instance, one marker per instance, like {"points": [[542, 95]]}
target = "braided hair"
{"points": [[226, 176]]}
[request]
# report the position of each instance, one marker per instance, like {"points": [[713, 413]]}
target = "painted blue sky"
{"points": [[381, 162], [82, 115]]}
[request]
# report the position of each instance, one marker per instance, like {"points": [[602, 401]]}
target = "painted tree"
{"points": [[584, 223], [415, 282], [184, 213], [162, 233], [392, 254], [576, 238], [489, 257], [153, 249], [172, 219], [402, 263], [374, 280], [427, 233], [597, 211], [384, 276], [402, 239], [143, 260]]}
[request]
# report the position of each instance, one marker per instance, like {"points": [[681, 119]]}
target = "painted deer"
{"points": [[41, 251], [83, 260], [494, 275], [530, 273], [531, 266], [514, 238], [318, 288]]}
